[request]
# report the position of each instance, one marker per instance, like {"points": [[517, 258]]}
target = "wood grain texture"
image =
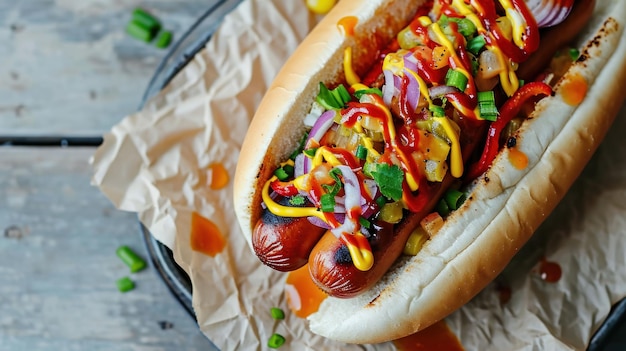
{"points": [[58, 236], [68, 67]]}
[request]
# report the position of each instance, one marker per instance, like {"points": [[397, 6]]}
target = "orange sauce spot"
{"points": [[549, 271], [436, 337], [517, 158], [219, 176], [347, 24], [303, 296], [574, 89], [206, 236]]}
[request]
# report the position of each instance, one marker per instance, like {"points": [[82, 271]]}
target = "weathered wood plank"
{"points": [[58, 267], [68, 67]]}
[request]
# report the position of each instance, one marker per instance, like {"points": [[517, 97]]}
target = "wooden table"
{"points": [[69, 69]]}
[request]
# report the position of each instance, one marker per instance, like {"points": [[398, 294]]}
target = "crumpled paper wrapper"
{"points": [[156, 162]]}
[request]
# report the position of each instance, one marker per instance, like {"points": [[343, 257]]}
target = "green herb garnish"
{"points": [[389, 179]]}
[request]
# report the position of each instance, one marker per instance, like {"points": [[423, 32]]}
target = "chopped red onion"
{"points": [[549, 13], [318, 222], [413, 89], [321, 126], [298, 165], [440, 91], [352, 191], [390, 88]]}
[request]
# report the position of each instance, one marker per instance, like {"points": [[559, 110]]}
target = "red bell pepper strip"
{"points": [[509, 110], [285, 189]]}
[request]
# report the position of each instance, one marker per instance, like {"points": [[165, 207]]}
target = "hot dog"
{"points": [[476, 240]]}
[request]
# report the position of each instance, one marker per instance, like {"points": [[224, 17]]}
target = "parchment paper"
{"points": [[156, 162]]}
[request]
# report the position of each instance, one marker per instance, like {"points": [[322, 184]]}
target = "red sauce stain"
{"points": [[303, 296], [517, 158], [206, 236], [347, 24], [219, 176], [549, 271], [574, 89], [436, 337]]}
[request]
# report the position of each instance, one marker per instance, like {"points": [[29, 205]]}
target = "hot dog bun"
{"points": [[506, 205]]}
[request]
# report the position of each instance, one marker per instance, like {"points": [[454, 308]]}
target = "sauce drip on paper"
{"points": [[219, 176], [206, 236], [575, 89], [549, 271], [303, 296], [436, 337]]}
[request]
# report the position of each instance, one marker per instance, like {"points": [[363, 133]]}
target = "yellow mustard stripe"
{"points": [[517, 22], [369, 145], [508, 78], [448, 44], [322, 154], [351, 77], [425, 21], [410, 179], [456, 158], [359, 86], [362, 258], [287, 211]]}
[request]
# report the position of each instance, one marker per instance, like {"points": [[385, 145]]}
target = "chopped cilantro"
{"points": [[389, 179], [297, 200]]}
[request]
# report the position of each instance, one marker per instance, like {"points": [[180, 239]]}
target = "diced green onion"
{"points": [[466, 27], [276, 341], [281, 174], [380, 201], [454, 199], [442, 208], [125, 284], [164, 39], [475, 44], [361, 152], [341, 94], [359, 93], [146, 20], [277, 313], [288, 169], [574, 54], [130, 258], [327, 202], [487, 105], [364, 223], [137, 31], [310, 152], [437, 111], [327, 99], [456, 79]]}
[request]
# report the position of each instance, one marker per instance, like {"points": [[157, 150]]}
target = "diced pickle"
{"points": [[407, 39], [435, 170], [433, 147], [415, 242], [391, 212]]}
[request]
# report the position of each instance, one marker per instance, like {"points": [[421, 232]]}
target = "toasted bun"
{"points": [[506, 204]]}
